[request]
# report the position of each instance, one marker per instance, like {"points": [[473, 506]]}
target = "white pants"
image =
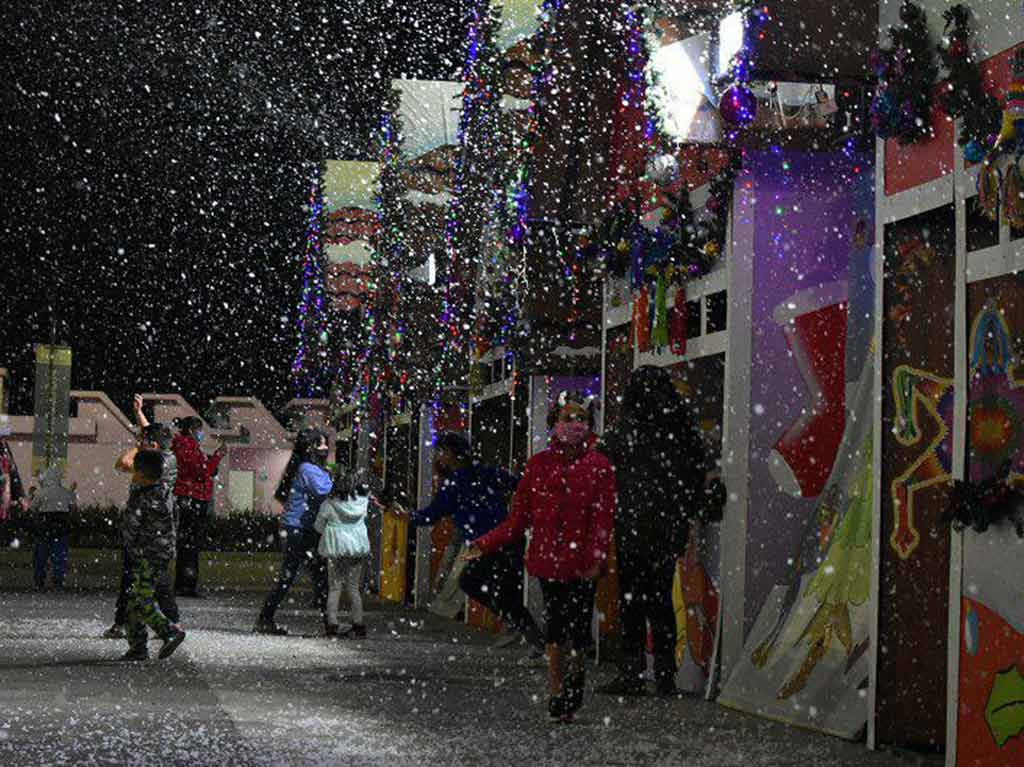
{"points": [[347, 573]]}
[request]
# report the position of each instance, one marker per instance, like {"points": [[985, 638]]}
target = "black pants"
{"points": [[569, 611], [164, 594], [50, 535], [496, 581], [299, 554], [645, 595], [193, 516]]}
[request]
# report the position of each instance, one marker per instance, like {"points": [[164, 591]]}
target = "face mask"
{"points": [[200, 436], [571, 432]]}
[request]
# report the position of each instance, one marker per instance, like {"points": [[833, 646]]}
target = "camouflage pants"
{"points": [[143, 609]]}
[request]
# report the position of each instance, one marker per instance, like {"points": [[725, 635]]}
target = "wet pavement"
{"points": [[418, 691]]}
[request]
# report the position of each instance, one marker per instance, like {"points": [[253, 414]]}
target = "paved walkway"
{"points": [[416, 692]]}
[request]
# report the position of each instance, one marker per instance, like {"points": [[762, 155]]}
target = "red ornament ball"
{"points": [[738, 106]]}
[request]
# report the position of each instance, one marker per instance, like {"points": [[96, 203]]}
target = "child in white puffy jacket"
{"points": [[345, 544]]}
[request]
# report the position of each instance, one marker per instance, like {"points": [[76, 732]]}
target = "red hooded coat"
{"points": [[569, 505]]}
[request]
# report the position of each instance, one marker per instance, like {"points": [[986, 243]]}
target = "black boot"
{"points": [[665, 676]]}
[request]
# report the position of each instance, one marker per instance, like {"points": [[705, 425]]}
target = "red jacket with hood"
{"points": [[195, 468], [568, 502]]}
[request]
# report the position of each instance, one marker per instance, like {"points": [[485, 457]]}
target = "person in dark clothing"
{"points": [[50, 507], [659, 464], [12, 492], [302, 489], [148, 532], [476, 497], [164, 595], [192, 492]]}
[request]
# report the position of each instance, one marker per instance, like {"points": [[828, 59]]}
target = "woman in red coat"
{"points": [[567, 499], [193, 492]]}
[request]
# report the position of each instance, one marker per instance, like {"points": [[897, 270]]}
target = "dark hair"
{"points": [[454, 443], [306, 442], [564, 398], [348, 483], [159, 433], [650, 395], [190, 424], [149, 464]]}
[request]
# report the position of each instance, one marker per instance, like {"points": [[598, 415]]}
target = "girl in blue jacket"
{"points": [[302, 488]]}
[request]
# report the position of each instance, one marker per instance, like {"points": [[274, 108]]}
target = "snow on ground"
{"points": [[417, 692]]}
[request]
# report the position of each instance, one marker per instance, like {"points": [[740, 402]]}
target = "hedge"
{"points": [[98, 527]]}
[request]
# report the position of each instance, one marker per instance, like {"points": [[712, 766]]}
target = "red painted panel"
{"points": [[915, 164], [995, 73]]}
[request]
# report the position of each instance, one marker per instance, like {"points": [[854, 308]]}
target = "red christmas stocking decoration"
{"points": [[803, 457]]}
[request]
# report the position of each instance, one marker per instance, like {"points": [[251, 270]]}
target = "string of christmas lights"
{"points": [[312, 323]]}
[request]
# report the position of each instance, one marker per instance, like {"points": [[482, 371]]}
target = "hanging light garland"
{"points": [[312, 322], [471, 193]]}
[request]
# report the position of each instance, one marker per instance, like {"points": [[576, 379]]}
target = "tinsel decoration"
{"points": [[963, 97], [642, 320], [906, 72], [979, 505]]}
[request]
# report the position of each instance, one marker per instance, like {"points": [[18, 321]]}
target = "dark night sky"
{"points": [[154, 167]]}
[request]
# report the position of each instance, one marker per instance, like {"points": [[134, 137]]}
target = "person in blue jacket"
{"points": [[476, 497], [303, 487]]}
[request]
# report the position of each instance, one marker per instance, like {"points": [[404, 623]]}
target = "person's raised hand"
{"points": [[471, 553]]}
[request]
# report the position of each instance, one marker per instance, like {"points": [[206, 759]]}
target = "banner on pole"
{"points": [[52, 408]]}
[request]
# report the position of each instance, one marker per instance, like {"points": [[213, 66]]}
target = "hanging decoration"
{"points": [[963, 96], [678, 330], [738, 103], [906, 72], [309, 364], [382, 379], [979, 505], [995, 187], [471, 198]]}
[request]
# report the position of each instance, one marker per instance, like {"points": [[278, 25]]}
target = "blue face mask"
{"points": [[200, 436]]}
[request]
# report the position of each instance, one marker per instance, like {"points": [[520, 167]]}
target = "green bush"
{"points": [[98, 527]]}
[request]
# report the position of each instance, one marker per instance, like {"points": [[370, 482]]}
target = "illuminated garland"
{"points": [[471, 193], [380, 373], [312, 324]]}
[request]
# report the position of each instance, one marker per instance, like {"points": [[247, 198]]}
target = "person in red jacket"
{"points": [[567, 499], [193, 492]]}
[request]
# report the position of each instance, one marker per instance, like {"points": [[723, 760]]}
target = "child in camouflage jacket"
{"points": [[148, 531]]}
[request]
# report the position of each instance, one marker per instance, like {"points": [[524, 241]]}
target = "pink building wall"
{"points": [[258, 446]]}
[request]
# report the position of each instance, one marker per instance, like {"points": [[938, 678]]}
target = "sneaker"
{"points": [[506, 640], [623, 687], [574, 684], [114, 632], [666, 688], [135, 655], [358, 631], [270, 629], [171, 643]]}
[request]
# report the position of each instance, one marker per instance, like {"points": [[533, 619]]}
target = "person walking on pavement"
{"points": [[148, 532], [659, 464], [567, 499], [50, 508], [302, 489], [193, 492], [345, 546], [164, 595], [477, 498]]}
